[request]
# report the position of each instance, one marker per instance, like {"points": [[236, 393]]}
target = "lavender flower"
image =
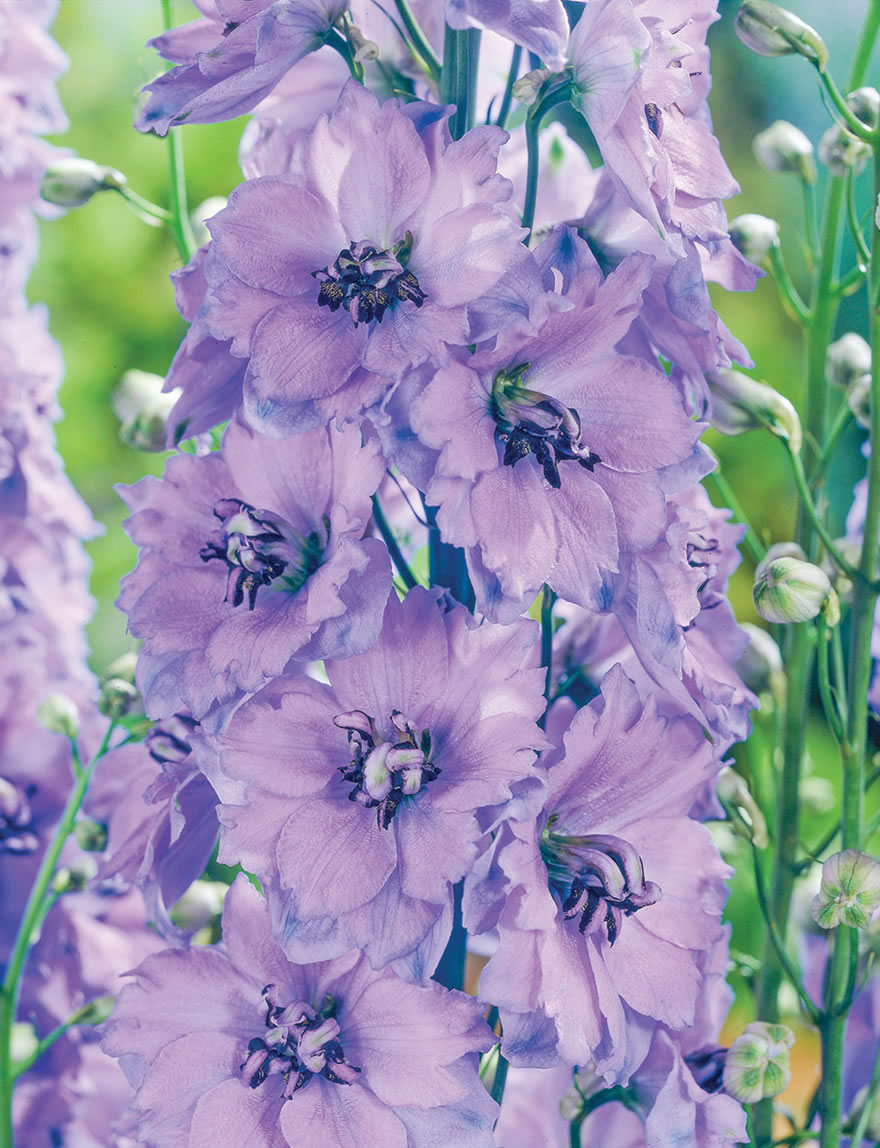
{"points": [[541, 26], [370, 815], [279, 1054], [250, 557]]}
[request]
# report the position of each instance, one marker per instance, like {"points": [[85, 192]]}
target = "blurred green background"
{"points": [[104, 276]]}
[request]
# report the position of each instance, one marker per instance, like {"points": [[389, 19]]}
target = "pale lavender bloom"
{"points": [[231, 58], [234, 1040], [541, 26], [605, 904], [368, 815], [335, 280], [250, 557], [554, 451]]}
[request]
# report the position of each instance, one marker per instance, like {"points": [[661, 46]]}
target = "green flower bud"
{"points": [[143, 408], [754, 235], [745, 814], [199, 905], [865, 105], [760, 662], [206, 210], [847, 359], [783, 147], [840, 151], [90, 835], [96, 1011], [758, 1064], [121, 667], [773, 31], [527, 87], [23, 1042], [74, 878], [118, 697], [789, 590], [850, 891], [740, 403], [60, 714], [72, 181]]}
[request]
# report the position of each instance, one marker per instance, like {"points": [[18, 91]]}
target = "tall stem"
{"points": [[179, 225]]}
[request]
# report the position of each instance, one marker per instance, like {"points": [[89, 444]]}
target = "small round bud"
{"points": [[122, 667], [859, 400], [850, 891], [847, 359], [527, 87], [96, 1011], [840, 151], [865, 106], [199, 905], [90, 835], [783, 147], [789, 590], [118, 697], [740, 403], [758, 1064], [74, 878], [60, 714], [73, 181], [760, 662], [23, 1042], [773, 31], [206, 210], [143, 408], [754, 235]]}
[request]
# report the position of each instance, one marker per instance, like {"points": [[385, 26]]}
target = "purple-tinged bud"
{"points": [[753, 236], [789, 590], [847, 359], [850, 891], [773, 31], [72, 181], [60, 714], [842, 152], [783, 147], [758, 1064], [740, 404]]}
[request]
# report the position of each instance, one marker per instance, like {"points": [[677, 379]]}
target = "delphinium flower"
{"points": [[604, 904], [336, 279], [270, 1053], [251, 556], [369, 814], [232, 57], [541, 26], [547, 469]]}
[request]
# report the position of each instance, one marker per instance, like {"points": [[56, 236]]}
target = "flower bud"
{"points": [[745, 814], [143, 408], [850, 891], [840, 151], [783, 147], [199, 216], [72, 181], [75, 877], [527, 87], [364, 49], [23, 1042], [754, 235], [789, 590], [122, 667], [118, 697], [90, 835], [199, 905], [773, 31], [847, 359], [859, 400], [758, 1065], [60, 714], [96, 1011], [740, 403], [760, 662], [865, 106]]}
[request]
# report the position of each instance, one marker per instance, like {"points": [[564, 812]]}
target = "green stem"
{"points": [[850, 120], [34, 915], [850, 282], [145, 209], [537, 112], [829, 702], [47, 1041], [810, 228], [838, 426], [812, 513], [788, 293], [394, 550], [500, 1078], [715, 479], [548, 598], [450, 969], [507, 98], [179, 224], [458, 79], [420, 41], [862, 249], [342, 46]]}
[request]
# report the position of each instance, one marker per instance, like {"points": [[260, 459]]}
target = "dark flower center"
{"points": [[17, 833], [600, 879], [654, 116], [299, 1043], [703, 553], [384, 772], [530, 422], [260, 548], [367, 281], [707, 1067], [168, 744]]}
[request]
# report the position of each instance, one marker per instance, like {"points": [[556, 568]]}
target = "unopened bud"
{"points": [[754, 235], [783, 147], [74, 878], [831, 609], [122, 667], [118, 697], [842, 152], [736, 797], [859, 400], [789, 590], [23, 1041], [73, 181], [740, 403], [760, 661], [364, 49], [199, 905], [96, 1011], [199, 216], [758, 1064], [143, 408], [865, 106], [90, 835], [60, 714], [847, 359], [773, 31], [527, 87], [850, 891]]}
